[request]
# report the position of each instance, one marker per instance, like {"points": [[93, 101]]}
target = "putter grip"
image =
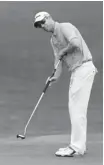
{"points": [[47, 84], [45, 88]]}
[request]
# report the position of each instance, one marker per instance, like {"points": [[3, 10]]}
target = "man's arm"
{"points": [[72, 47], [56, 59], [74, 44], [59, 68]]}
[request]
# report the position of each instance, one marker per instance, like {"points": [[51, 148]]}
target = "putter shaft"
{"points": [[47, 84]]}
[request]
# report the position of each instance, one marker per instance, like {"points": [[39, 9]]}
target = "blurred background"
{"points": [[26, 60]]}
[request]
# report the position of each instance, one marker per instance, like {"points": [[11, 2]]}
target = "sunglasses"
{"points": [[39, 23]]}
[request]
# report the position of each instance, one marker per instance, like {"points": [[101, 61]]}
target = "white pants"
{"points": [[79, 93]]}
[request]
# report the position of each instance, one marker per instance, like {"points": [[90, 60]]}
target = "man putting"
{"points": [[67, 40]]}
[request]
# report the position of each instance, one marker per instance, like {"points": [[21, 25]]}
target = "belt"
{"points": [[82, 63], [86, 61]]}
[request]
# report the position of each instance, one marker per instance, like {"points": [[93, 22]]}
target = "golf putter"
{"points": [[44, 90]]}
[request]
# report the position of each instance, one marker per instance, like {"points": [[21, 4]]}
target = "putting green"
{"points": [[40, 150]]}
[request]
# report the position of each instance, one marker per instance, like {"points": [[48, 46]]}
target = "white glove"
{"points": [[51, 79]]}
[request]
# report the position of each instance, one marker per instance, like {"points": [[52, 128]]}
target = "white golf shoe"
{"points": [[61, 149], [66, 152]]}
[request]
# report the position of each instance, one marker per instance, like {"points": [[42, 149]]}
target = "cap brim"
{"points": [[39, 19]]}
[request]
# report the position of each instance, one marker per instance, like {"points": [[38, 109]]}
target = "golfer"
{"points": [[67, 40]]}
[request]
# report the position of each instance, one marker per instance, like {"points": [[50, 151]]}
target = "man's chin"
{"points": [[47, 30]]}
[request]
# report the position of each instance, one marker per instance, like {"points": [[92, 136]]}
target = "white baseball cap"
{"points": [[40, 16]]}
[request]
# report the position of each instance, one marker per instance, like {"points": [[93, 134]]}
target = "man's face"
{"points": [[45, 24]]}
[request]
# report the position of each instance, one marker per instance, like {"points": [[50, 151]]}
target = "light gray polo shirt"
{"points": [[62, 36]]}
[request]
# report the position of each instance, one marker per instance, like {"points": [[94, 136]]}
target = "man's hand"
{"points": [[61, 54], [51, 79]]}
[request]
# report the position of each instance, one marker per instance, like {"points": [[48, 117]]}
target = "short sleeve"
{"points": [[68, 32]]}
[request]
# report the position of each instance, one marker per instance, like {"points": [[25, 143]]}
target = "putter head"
{"points": [[21, 136]]}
